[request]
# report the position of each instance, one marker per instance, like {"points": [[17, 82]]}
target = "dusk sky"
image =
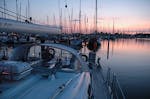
{"points": [[128, 15]]}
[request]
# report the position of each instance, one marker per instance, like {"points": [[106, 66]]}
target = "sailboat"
{"points": [[58, 72], [94, 42]]}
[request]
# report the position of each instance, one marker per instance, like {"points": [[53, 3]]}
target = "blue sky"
{"points": [[127, 13]]}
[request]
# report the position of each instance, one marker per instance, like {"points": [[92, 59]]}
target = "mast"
{"points": [[28, 9], [87, 29], [20, 12], [61, 20], [69, 28], [113, 26], [96, 16], [60, 15], [71, 19], [47, 20], [4, 9], [85, 20], [80, 17], [26, 12], [54, 20], [65, 21], [17, 9]]}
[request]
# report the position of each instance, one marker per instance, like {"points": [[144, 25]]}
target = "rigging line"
{"points": [[8, 14], [12, 12], [22, 16]]}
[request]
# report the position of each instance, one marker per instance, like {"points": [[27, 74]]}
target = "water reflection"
{"points": [[130, 60], [108, 49]]}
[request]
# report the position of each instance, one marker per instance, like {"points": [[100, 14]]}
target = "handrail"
{"points": [[120, 88], [113, 84]]}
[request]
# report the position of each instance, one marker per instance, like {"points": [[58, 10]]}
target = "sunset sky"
{"points": [[128, 15]]}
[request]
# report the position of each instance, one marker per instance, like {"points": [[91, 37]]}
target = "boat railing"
{"points": [[7, 13], [113, 85]]}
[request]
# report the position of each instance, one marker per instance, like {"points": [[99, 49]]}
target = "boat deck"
{"points": [[100, 90], [34, 86]]}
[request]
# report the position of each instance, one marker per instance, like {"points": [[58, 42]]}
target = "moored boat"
{"points": [[54, 71], [29, 75]]}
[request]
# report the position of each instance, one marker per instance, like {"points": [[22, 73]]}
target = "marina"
{"points": [[80, 51], [15, 71], [124, 75]]}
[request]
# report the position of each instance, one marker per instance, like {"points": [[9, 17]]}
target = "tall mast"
{"points": [[80, 18], [26, 12], [96, 16], [64, 22], [4, 9], [59, 11], [61, 20], [54, 20], [28, 9], [113, 26], [60, 15], [85, 20], [71, 19], [17, 9], [47, 20], [20, 12]]}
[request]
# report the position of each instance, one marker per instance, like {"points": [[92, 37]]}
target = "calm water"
{"points": [[130, 60]]}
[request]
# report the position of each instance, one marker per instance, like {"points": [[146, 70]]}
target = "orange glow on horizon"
{"points": [[125, 25]]}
